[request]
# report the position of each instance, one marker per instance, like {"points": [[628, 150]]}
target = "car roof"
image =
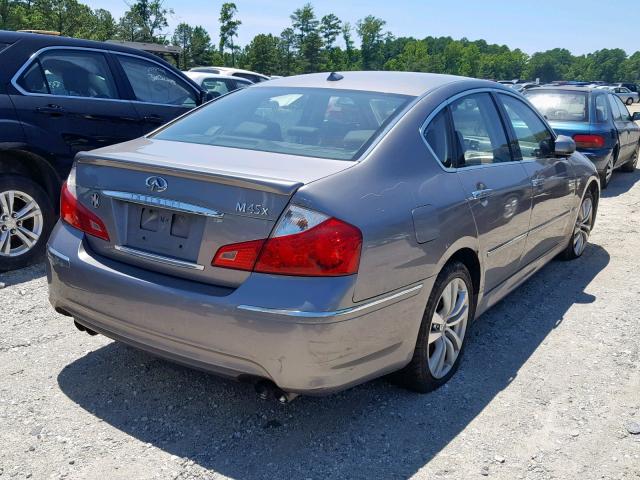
{"points": [[226, 70], [402, 83], [568, 88], [202, 75]]}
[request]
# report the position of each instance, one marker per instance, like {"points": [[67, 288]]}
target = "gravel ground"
{"points": [[549, 389]]}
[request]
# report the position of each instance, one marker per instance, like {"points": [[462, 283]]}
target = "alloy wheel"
{"points": [[583, 226], [608, 172], [448, 327], [21, 223]]}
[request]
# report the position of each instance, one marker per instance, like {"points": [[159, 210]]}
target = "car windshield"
{"points": [[560, 106], [315, 122]]}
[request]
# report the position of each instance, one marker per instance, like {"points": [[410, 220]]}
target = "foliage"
{"points": [[317, 43]]}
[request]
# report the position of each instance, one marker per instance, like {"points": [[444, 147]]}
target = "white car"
{"points": [[218, 84], [254, 77]]}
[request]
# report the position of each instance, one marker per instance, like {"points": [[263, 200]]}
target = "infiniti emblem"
{"points": [[156, 184]]}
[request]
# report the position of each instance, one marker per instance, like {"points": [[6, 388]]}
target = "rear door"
{"points": [[69, 101], [497, 185], [618, 109], [159, 94], [631, 129], [553, 194]]}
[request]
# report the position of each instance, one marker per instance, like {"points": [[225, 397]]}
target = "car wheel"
{"points": [[26, 219], [441, 339], [630, 166], [607, 173], [629, 101], [582, 228]]}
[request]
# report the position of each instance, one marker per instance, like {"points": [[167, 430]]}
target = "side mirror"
{"points": [[564, 146], [636, 117]]}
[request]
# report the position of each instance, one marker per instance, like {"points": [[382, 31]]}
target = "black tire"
{"points": [[417, 375], [570, 252], [604, 181], [630, 166], [629, 101], [36, 252]]}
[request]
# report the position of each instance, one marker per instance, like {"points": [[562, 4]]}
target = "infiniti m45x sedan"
{"points": [[313, 232]]}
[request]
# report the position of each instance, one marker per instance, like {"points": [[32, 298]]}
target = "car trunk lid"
{"points": [[169, 206]]}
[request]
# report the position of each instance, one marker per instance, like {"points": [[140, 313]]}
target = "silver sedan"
{"points": [[310, 233]]}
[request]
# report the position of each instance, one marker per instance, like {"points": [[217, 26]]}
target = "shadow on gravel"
{"points": [[23, 275], [621, 183], [372, 431]]}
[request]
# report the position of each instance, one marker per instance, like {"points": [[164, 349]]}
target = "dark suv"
{"points": [[59, 96]]}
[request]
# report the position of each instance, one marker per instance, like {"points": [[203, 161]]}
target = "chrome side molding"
{"points": [[167, 203], [379, 302]]}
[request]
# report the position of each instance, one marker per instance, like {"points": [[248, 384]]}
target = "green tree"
{"points": [[308, 40], [304, 22], [262, 54], [330, 28], [183, 38], [414, 58], [228, 30], [370, 32], [103, 25], [549, 65], [151, 19], [350, 56], [286, 47], [201, 53]]}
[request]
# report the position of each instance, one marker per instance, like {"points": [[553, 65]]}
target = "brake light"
{"points": [[304, 243], [79, 216], [589, 141]]}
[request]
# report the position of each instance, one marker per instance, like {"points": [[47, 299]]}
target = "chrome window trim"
{"points": [[27, 64], [379, 302], [173, 262], [169, 204], [457, 96]]}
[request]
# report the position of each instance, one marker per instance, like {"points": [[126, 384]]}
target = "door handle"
{"points": [[537, 182], [53, 110], [480, 194], [153, 118]]}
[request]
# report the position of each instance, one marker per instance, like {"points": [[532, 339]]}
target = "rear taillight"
{"points": [[589, 141], [79, 216], [304, 243]]}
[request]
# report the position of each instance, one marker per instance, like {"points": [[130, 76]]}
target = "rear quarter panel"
{"points": [[412, 213]]}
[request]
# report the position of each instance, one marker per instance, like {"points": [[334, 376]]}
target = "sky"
{"points": [[579, 26]]}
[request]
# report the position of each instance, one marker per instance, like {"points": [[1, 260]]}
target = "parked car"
{"points": [[59, 96], [626, 95], [253, 77], [314, 232], [631, 86], [216, 84], [597, 120]]}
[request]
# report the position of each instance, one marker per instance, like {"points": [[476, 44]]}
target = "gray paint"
{"points": [[313, 335]]}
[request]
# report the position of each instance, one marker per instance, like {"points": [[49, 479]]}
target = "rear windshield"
{"points": [[313, 122], [561, 106]]}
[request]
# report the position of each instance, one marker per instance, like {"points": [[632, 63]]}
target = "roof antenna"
{"points": [[334, 77]]}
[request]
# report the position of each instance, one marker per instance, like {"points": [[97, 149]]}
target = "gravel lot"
{"points": [[549, 389]]}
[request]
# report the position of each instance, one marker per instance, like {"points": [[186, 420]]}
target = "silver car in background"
{"points": [[626, 95], [313, 232]]}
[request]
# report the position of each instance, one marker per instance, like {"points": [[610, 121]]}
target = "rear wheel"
{"points": [[442, 334], [607, 173], [26, 218], [629, 101], [630, 166], [582, 228]]}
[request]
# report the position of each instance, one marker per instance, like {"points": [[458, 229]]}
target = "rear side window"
{"points": [[153, 83], [602, 111], [625, 116], [533, 137], [615, 109], [478, 131], [70, 73], [561, 106], [438, 138], [216, 86]]}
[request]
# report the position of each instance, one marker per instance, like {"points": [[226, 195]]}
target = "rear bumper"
{"points": [[305, 335], [599, 157]]}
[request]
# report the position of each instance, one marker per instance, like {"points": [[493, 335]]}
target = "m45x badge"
{"points": [[252, 208]]}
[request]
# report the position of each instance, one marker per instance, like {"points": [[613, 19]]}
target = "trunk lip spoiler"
{"points": [[242, 180]]}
